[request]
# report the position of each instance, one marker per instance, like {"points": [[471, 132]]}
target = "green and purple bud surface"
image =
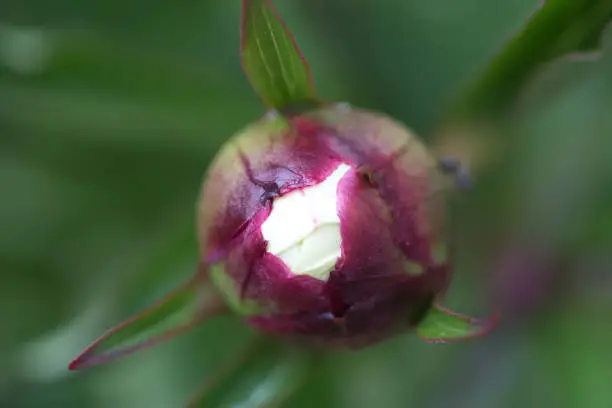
{"points": [[326, 226]]}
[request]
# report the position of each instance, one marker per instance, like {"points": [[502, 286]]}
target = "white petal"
{"points": [[303, 228]]}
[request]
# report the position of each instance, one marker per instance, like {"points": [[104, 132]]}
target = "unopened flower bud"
{"points": [[325, 226]]}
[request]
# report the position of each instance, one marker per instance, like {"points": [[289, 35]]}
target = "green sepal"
{"points": [[188, 305], [441, 325], [271, 58]]}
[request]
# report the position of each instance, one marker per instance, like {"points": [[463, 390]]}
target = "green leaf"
{"points": [[440, 325], [557, 28], [265, 374], [271, 58], [179, 311]]}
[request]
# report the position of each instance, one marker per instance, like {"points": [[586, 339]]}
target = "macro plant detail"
{"points": [[321, 224], [330, 232]]}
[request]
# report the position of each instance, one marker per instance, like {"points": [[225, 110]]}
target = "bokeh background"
{"points": [[110, 112]]}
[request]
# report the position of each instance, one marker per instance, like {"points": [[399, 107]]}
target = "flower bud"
{"points": [[325, 226]]}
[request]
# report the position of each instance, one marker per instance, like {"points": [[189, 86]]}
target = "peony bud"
{"points": [[325, 226]]}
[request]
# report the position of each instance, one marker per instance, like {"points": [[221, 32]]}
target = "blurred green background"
{"points": [[110, 112]]}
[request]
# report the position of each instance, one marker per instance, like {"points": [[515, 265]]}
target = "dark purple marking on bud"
{"points": [[270, 188]]}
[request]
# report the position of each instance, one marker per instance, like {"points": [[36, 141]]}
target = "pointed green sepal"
{"points": [[441, 325], [265, 374], [271, 58], [176, 313]]}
